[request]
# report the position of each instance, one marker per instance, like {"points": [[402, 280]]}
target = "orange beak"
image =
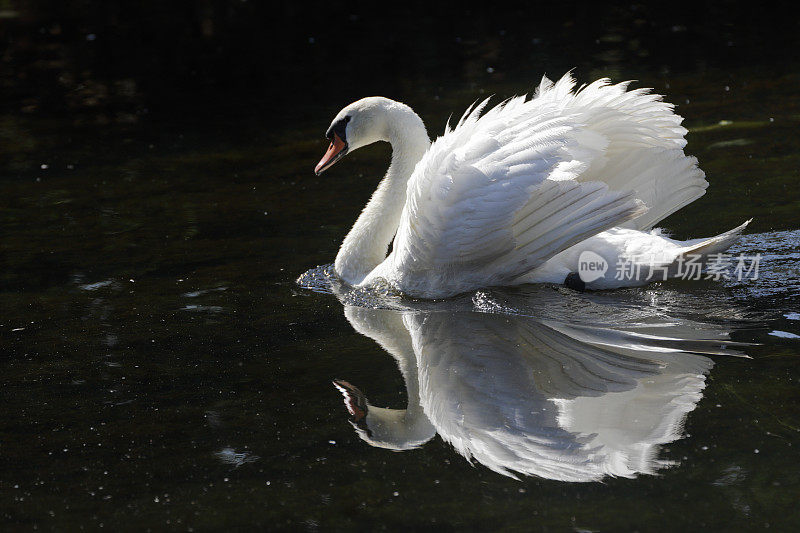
{"points": [[335, 151]]}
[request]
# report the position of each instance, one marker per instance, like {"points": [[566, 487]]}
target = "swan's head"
{"points": [[364, 122], [394, 429]]}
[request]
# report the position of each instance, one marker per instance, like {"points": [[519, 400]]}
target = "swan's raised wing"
{"points": [[642, 144], [501, 193]]}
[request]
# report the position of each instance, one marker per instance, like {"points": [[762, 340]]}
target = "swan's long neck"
{"points": [[397, 429], [402, 429], [366, 245]]}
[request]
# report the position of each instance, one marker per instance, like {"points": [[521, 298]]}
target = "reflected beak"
{"points": [[354, 400], [336, 150]]}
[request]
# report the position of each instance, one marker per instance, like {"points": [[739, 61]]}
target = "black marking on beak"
{"points": [[339, 128], [337, 135]]}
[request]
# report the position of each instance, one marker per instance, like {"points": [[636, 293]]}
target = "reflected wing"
{"points": [[517, 395], [486, 383], [628, 426]]}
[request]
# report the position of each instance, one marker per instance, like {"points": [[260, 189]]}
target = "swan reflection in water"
{"points": [[536, 397]]}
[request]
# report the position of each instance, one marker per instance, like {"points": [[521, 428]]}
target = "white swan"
{"points": [[504, 198]]}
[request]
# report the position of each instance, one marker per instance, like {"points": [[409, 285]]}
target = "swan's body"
{"points": [[505, 198]]}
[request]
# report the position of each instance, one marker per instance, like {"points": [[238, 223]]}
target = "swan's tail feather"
{"points": [[654, 257], [716, 244], [699, 251]]}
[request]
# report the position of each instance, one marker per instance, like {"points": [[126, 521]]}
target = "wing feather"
{"points": [[499, 194]]}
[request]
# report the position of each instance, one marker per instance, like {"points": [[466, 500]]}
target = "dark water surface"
{"points": [[162, 368]]}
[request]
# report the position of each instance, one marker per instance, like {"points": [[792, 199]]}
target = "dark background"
{"points": [[161, 366], [125, 59]]}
